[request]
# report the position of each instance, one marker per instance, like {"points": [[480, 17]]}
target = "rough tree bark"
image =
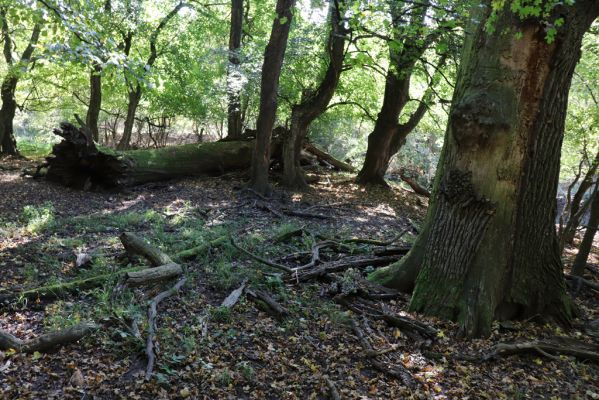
{"points": [[489, 248], [271, 71], [8, 144], [234, 78], [314, 103], [389, 135], [136, 90], [580, 262]]}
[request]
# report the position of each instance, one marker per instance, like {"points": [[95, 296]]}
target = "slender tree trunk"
{"points": [[234, 77], [388, 135], [585, 185], [7, 115], [8, 144], [271, 71], [489, 248], [95, 101], [134, 98], [580, 262], [314, 104]]}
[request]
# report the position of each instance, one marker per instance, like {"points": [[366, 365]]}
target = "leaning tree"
{"points": [[488, 249], [271, 72]]}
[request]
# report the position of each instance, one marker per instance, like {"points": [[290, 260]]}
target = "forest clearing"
{"points": [[279, 199]]}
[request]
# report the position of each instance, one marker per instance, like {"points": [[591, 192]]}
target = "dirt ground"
{"points": [[208, 352]]}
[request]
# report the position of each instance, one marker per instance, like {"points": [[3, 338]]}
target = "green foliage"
{"points": [[37, 219], [221, 314]]}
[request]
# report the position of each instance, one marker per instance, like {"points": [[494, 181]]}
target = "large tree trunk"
{"points": [[314, 104], [95, 101], [489, 248], [7, 115], [271, 71], [388, 135], [580, 262], [134, 99], [234, 77], [77, 162]]}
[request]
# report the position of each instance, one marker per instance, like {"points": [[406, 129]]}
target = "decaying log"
{"points": [[137, 246], [152, 313], [549, 348], [267, 303], [78, 162], [48, 340], [155, 274], [59, 289], [234, 296], [321, 155]]}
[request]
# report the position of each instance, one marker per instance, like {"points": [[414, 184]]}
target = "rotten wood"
{"points": [[47, 341], [155, 274], [267, 303], [137, 246]]}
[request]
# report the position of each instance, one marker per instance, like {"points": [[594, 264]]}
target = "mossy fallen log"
{"points": [[47, 341], [78, 162]]}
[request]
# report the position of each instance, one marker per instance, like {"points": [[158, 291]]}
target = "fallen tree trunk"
{"points": [[78, 162], [155, 274], [137, 246], [46, 341], [326, 157]]}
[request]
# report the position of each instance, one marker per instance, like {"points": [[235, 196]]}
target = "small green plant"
{"points": [[220, 314], [224, 377], [246, 370], [37, 219]]}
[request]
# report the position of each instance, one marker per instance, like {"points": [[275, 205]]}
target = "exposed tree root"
{"points": [[152, 313], [47, 341], [549, 348]]}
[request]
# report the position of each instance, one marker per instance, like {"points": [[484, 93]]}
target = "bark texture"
{"points": [[271, 71], [95, 101], [234, 77], [315, 102], [489, 248]]}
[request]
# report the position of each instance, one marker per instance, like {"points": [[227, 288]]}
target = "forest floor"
{"points": [[211, 352]]}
